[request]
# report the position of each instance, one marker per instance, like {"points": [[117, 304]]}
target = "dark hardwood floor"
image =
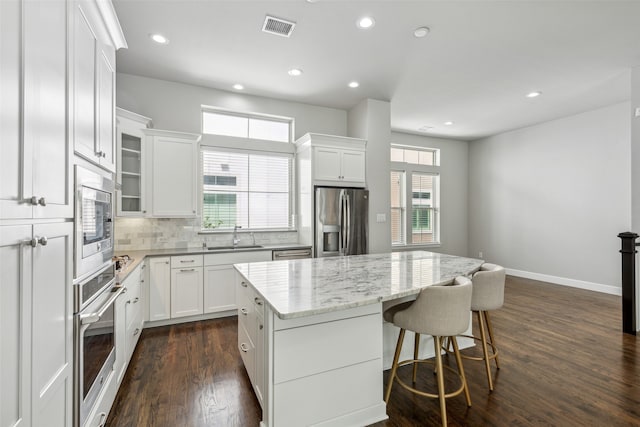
{"points": [[564, 362]]}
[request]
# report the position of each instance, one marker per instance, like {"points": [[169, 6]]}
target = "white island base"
{"points": [[311, 334], [324, 370]]}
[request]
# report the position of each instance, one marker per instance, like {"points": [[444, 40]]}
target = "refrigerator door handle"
{"points": [[348, 226], [341, 224]]}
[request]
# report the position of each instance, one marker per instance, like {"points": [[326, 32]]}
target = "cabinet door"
{"points": [[353, 165], [15, 324], [174, 177], [14, 195], [326, 164], [52, 329], [159, 289], [85, 45], [131, 172], [186, 292], [45, 142], [219, 288], [105, 109]]}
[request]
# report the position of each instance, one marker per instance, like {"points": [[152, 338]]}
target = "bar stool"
{"points": [[439, 311], [488, 294]]}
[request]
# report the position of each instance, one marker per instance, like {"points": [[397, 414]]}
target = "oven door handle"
{"points": [[89, 318]]}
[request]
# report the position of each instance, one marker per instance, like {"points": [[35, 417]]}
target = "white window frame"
{"points": [[292, 186], [409, 169], [269, 117]]}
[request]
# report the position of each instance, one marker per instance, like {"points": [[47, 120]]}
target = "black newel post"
{"points": [[628, 252]]}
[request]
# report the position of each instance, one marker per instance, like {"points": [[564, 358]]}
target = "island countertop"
{"points": [[305, 287]]}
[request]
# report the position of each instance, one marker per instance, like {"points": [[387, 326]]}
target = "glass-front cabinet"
{"points": [[131, 164]]}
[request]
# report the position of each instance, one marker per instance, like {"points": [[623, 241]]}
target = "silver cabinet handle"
{"points": [[187, 260], [166, 262], [187, 269], [243, 284], [244, 311], [103, 419], [31, 242], [257, 300], [42, 201], [34, 200], [244, 347], [136, 332], [261, 327], [36, 241], [99, 153], [135, 301]]}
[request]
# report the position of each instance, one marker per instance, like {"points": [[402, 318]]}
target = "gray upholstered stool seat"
{"points": [[488, 294], [439, 311]]}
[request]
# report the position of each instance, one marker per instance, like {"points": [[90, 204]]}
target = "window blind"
{"points": [[251, 190]]}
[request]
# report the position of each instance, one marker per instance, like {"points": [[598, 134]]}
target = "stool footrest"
{"points": [[424, 393], [464, 356]]}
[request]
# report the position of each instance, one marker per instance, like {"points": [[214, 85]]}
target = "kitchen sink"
{"points": [[220, 248]]}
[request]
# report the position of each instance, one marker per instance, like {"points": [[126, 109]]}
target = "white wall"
{"points": [[549, 200], [635, 171], [176, 106], [371, 120], [454, 181]]}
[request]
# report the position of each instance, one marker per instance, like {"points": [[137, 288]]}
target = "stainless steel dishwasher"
{"points": [[283, 254]]}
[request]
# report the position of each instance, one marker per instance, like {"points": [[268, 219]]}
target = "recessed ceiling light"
{"points": [[354, 84], [421, 32], [159, 38], [295, 72], [534, 94], [238, 86], [449, 123], [366, 22]]}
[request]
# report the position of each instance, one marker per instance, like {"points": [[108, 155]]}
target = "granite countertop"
{"points": [[138, 256], [305, 287]]}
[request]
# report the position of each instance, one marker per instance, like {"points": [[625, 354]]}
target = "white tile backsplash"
{"points": [[170, 233]]}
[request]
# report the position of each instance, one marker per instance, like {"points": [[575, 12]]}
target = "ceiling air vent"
{"points": [[278, 26]]}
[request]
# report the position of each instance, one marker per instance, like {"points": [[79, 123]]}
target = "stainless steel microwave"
{"points": [[94, 222]]}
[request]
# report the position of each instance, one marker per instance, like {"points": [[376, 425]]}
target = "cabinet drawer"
{"points": [[247, 352], [247, 315], [183, 261]]}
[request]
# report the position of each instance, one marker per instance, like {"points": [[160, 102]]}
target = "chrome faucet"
{"points": [[236, 240]]}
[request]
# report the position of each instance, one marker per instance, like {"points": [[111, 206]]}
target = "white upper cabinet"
{"points": [[336, 160], [35, 152], [174, 173], [132, 154], [94, 41]]}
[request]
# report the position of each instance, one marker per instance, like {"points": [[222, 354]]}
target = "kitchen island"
{"points": [[310, 332]]}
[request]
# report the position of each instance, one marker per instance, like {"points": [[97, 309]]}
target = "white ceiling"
{"points": [[474, 68]]}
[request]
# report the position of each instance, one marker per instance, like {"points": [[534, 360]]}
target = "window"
{"points": [[414, 195], [246, 189], [241, 125]]}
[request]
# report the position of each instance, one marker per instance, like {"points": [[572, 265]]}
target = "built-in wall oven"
{"points": [[94, 338], [94, 222]]}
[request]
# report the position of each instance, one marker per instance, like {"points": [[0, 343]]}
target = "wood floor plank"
{"points": [[564, 362]]}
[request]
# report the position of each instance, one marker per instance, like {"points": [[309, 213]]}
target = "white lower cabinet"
{"points": [[36, 372], [186, 291], [129, 320], [220, 278], [219, 288], [251, 335], [159, 288]]}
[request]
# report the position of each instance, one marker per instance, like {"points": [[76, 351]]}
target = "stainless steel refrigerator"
{"points": [[341, 221]]}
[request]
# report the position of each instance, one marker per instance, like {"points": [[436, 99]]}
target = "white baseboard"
{"points": [[581, 284]]}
